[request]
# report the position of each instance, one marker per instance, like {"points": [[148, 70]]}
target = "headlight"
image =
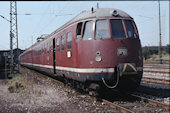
{"points": [[98, 56]]}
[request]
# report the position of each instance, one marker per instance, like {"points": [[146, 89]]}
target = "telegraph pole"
{"points": [[13, 36], [97, 5], [160, 41]]}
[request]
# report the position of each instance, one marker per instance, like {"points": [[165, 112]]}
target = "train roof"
{"points": [[96, 13]]}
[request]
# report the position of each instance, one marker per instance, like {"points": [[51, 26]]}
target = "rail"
{"points": [[124, 108], [152, 102], [158, 74]]}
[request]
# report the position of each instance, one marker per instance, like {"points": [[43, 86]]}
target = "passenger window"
{"points": [[88, 30], [130, 29], [47, 48], [58, 44], [78, 31], [44, 49], [51, 46], [102, 29], [62, 42], [117, 28], [69, 37]]}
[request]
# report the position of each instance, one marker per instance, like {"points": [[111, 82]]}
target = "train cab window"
{"points": [[78, 31], [102, 29], [58, 44], [117, 28], [88, 30], [130, 29], [62, 42], [69, 37]]}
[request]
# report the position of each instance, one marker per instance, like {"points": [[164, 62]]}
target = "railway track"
{"points": [[136, 104], [158, 74], [140, 105], [152, 102], [126, 103]]}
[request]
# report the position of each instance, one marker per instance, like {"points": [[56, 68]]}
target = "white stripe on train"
{"points": [[80, 70]]}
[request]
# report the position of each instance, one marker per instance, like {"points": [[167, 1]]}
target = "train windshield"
{"points": [[117, 28], [130, 29], [102, 29]]}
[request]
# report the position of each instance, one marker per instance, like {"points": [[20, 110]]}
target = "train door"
{"points": [[78, 39], [54, 56]]}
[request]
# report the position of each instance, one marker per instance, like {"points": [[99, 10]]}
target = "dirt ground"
{"points": [[39, 95]]}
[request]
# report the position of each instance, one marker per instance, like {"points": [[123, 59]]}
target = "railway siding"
{"points": [[158, 74], [137, 104], [153, 102]]}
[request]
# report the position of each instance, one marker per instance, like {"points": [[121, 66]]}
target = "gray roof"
{"points": [[97, 13]]}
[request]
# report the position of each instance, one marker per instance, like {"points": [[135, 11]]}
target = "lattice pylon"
{"points": [[13, 35]]}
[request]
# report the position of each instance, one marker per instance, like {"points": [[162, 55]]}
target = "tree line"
{"points": [[148, 51]]}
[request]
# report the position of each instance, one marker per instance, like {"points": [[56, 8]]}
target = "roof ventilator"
{"points": [[115, 13]]}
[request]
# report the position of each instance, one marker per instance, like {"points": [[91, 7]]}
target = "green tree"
{"points": [[167, 49], [146, 52]]}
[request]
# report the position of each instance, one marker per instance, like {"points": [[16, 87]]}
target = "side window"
{"points": [[78, 31], [88, 30], [51, 46], [102, 29], [69, 37], [39, 51], [117, 28], [58, 44], [62, 42], [130, 29], [47, 47], [44, 49]]}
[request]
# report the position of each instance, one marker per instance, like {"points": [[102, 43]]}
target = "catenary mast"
{"points": [[13, 36]]}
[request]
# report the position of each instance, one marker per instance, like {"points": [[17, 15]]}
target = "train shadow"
{"points": [[156, 92], [116, 96]]}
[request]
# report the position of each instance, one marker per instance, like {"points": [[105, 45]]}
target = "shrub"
{"points": [[17, 84]]}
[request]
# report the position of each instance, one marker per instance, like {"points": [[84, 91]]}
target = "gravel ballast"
{"points": [[41, 95]]}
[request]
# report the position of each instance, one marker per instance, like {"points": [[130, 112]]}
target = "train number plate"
{"points": [[122, 52]]}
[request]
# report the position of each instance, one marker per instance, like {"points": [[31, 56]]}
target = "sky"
{"points": [[47, 16]]}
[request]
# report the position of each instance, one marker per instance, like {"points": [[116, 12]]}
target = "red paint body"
{"points": [[83, 52]]}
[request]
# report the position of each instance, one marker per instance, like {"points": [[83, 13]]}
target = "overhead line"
{"points": [[60, 11], [28, 14], [5, 18], [40, 19]]}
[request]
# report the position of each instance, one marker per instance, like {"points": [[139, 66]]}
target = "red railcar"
{"points": [[97, 46]]}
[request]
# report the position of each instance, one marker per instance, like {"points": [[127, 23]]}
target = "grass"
{"points": [[154, 57], [17, 84], [23, 88]]}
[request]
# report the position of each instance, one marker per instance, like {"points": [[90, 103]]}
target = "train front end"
{"points": [[124, 53], [114, 45]]}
